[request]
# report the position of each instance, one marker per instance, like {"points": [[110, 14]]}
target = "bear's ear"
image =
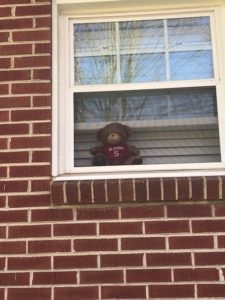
{"points": [[128, 130]]}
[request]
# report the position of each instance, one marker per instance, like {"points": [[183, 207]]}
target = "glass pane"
{"points": [[143, 67], [94, 51], [142, 51], [190, 48], [191, 65], [145, 105], [168, 126]]}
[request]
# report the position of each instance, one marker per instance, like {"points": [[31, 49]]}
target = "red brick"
{"points": [[169, 189], [40, 215], [183, 188], [3, 172], [40, 185], [43, 22], [4, 89], [107, 213], [154, 189], [22, 23], [31, 88], [5, 11], [223, 187], [141, 190], [196, 274], [29, 263], [107, 276], [127, 190], [14, 157], [208, 226], [81, 293], [99, 191], [35, 61], [37, 35], [2, 2], [33, 10], [31, 142], [191, 242], [75, 261], [189, 211], [41, 156], [49, 246], [171, 291], [2, 201], [31, 115], [12, 247], [29, 200], [43, 48], [10, 102], [121, 260], [4, 117], [42, 128], [219, 210], [148, 275], [113, 190], [29, 293], [42, 100], [74, 229], [72, 192], [13, 216], [15, 75], [3, 143], [2, 264], [123, 292], [2, 232], [211, 290], [57, 193], [120, 228], [13, 186], [16, 49], [212, 186], [14, 279], [166, 226], [142, 243], [29, 231], [95, 245], [197, 186], [169, 259], [42, 74], [221, 241], [142, 212], [46, 278], [4, 62], [85, 191], [30, 171], [4, 37], [209, 258], [14, 129]]}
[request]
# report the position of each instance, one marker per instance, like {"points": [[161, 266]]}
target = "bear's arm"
{"points": [[95, 150], [134, 150]]}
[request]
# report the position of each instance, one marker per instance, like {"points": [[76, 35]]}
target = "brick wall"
{"points": [[118, 239]]}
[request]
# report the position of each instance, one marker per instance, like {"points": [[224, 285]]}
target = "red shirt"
{"points": [[117, 152]]}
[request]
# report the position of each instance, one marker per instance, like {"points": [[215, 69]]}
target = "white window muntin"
{"points": [[66, 166]]}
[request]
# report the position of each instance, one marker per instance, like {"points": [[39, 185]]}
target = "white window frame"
{"points": [[65, 12]]}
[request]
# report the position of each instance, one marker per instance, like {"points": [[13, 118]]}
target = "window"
{"points": [[157, 73]]}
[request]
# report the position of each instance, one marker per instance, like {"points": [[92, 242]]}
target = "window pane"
{"points": [[190, 48], [94, 51], [145, 105], [191, 65], [169, 126], [142, 51]]}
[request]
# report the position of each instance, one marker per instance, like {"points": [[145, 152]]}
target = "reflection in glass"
{"points": [[145, 105], [143, 51]]}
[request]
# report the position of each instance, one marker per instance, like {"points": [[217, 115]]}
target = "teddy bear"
{"points": [[114, 149]]}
